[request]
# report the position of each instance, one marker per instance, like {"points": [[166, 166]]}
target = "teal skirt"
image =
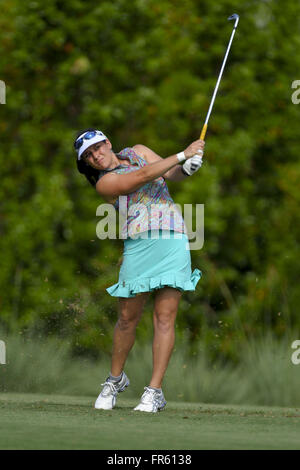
{"points": [[154, 263]]}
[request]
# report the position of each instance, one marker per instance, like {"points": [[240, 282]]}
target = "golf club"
{"points": [[204, 129]]}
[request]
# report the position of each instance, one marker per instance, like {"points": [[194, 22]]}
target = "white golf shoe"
{"points": [[151, 401], [108, 396]]}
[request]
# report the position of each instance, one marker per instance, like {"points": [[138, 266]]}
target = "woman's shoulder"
{"points": [[133, 153], [139, 149], [135, 150]]}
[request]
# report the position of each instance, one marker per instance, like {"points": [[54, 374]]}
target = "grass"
{"points": [[265, 375], [35, 421]]}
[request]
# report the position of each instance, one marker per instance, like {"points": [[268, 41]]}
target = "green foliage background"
{"points": [[144, 72]]}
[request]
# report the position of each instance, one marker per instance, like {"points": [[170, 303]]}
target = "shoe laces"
{"points": [[108, 388], [149, 395]]}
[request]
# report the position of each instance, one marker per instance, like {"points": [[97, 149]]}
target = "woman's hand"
{"points": [[195, 148], [192, 165]]}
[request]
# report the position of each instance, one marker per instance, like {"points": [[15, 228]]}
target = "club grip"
{"points": [[203, 132]]}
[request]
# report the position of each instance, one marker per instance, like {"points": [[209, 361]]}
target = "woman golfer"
{"points": [[156, 252]]}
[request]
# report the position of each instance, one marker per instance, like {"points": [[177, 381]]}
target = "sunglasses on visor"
{"points": [[87, 136]]}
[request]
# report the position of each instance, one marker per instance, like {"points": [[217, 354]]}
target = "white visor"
{"points": [[99, 137]]}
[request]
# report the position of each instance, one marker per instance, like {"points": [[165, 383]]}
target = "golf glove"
{"points": [[192, 165]]}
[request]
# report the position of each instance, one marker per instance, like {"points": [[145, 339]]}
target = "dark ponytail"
{"points": [[90, 173]]}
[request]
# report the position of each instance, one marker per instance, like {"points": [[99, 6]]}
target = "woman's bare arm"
{"points": [[113, 185], [174, 174]]}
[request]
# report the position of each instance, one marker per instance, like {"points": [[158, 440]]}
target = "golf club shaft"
{"points": [[204, 129]]}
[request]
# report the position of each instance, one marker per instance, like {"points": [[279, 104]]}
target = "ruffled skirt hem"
{"points": [[133, 287]]}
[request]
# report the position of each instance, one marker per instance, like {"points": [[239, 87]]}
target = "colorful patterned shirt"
{"points": [[149, 207]]}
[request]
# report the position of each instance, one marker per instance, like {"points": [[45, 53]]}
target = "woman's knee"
{"points": [[128, 321], [130, 311], [164, 320]]}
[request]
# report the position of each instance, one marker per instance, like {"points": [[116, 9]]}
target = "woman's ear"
{"points": [[109, 143]]}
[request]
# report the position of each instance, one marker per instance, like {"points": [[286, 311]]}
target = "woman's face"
{"points": [[98, 155]]}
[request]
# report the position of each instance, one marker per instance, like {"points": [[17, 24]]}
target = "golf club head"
{"points": [[234, 17]]}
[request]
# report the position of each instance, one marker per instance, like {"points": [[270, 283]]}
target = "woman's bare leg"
{"points": [[164, 316], [130, 311]]}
